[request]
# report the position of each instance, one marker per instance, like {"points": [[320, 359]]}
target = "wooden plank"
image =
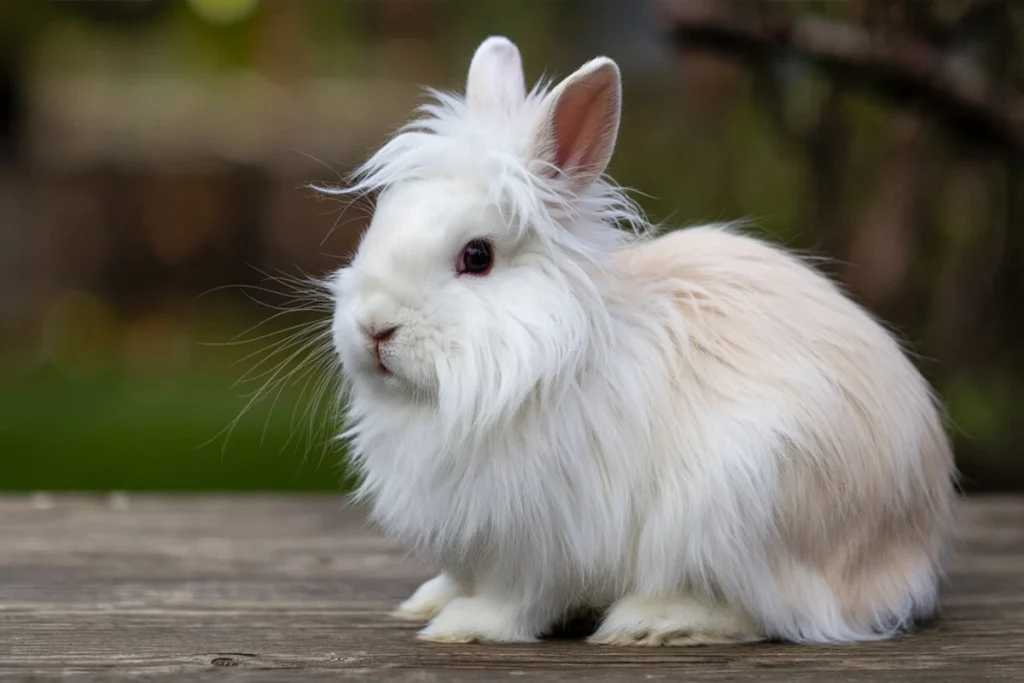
{"points": [[265, 588]]}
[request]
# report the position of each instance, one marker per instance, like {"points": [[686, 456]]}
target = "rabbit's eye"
{"points": [[476, 258]]}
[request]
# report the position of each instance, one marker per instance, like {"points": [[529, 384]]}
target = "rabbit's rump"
{"points": [[811, 404]]}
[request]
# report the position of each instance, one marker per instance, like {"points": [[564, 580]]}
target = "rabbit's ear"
{"points": [[495, 83], [579, 122]]}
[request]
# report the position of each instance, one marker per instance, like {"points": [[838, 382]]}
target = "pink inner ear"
{"points": [[584, 115]]}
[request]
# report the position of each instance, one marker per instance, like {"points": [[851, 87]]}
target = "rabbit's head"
{"points": [[473, 286]]}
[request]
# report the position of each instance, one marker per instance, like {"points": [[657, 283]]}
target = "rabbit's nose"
{"points": [[379, 334]]}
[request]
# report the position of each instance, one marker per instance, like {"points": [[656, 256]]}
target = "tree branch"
{"points": [[903, 69]]}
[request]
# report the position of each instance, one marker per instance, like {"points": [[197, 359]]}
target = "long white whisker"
{"points": [[272, 349], [296, 353], [235, 341], [314, 373], [303, 348]]}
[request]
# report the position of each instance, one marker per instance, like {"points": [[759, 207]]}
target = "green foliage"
{"points": [[120, 431]]}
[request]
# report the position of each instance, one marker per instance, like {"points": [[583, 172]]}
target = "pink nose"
{"points": [[379, 335]]}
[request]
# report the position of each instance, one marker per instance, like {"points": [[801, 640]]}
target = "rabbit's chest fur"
{"points": [[534, 503]]}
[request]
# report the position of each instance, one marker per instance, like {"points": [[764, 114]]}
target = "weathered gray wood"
{"points": [[264, 588]]}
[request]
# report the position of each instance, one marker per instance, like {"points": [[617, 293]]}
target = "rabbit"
{"points": [[694, 433]]}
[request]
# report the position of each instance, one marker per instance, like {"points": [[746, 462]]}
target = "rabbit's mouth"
{"points": [[382, 367]]}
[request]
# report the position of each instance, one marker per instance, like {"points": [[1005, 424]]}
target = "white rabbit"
{"points": [[696, 433]]}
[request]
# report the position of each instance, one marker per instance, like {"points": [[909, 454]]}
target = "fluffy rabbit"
{"points": [[697, 434]]}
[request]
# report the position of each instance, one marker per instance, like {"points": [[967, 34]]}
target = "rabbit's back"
{"points": [[848, 465]]}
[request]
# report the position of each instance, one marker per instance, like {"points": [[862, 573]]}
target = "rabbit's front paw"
{"points": [[429, 599], [478, 620], [678, 620]]}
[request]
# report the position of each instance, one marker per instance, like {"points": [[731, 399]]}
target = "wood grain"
{"points": [[265, 588]]}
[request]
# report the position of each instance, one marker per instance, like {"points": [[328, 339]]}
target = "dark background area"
{"points": [[154, 156]]}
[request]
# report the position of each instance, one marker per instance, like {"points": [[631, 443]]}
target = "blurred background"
{"points": [[153, 209]]}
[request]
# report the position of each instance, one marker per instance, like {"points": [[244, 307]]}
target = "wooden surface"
{"points": [[296, 588]]}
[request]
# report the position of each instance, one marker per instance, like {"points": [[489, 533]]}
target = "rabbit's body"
{"points": [[697, 432]]}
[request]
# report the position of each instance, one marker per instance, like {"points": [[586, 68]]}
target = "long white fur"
{"points": [[697, 431]]}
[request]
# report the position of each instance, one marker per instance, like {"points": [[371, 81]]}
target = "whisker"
{"points": [[305, 329], [311, 157], [235, 341], [319, 286], [305, 346], [322, 308], [313, 409], [313, 373], [313, 362], [265, 290], [276, 382], [295, 354]]}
